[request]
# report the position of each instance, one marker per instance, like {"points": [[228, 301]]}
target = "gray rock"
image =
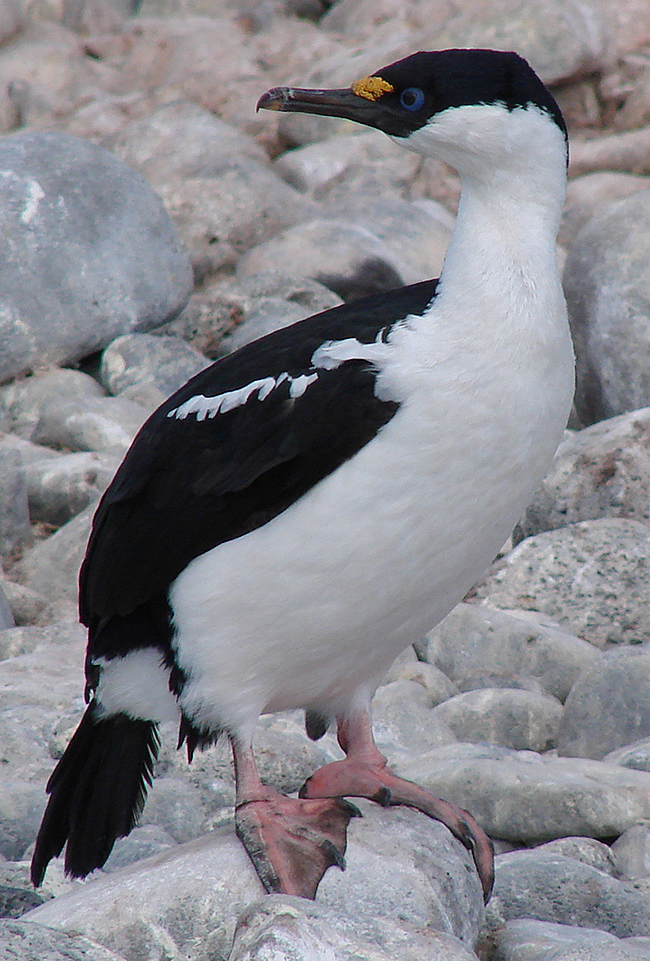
{"points": [[264, 315], [57, 656], [587, 850], [17, 896], [26, 941], [560, 39], [178, 140], [332, 163], [631, 852], [22, 403], [210, 315], [306, 293], [271, 300], [600, 471], [525, 939], [12, 19], [51, 567], [518, 719], [286, 757], [281, 927], [590, 577], [106, 424], [27, 606], [608, 294], [609, 705], [403, 722], [245, 204], [635, 755], [61, 487], [408, 668], [409, 872], [96, 226], [416, 234], [143, 842], [475, 641], [18, 640], [177, 806], [15, 527], [21, 808], [6, 615], [552, 887], [588, 194], [349, 260], [144, 360], [528, 798]]}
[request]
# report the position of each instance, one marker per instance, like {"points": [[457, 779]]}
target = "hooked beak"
{"points": [[344, 103]]}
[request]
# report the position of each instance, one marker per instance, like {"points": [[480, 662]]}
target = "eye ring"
{"points": [[412, 98]]}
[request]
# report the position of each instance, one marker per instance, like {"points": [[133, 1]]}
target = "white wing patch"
{"points": [[328, 356], [202, 406]]}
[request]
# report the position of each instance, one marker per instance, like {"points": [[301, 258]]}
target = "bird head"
{"points": [[463, 106]]}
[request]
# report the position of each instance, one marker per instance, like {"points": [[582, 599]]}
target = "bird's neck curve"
{"points": [[503, 247]]}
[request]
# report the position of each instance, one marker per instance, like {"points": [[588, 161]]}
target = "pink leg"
{"points": [[364, 773], [291, 842]]}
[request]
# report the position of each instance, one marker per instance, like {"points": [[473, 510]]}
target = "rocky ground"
{"points": [[151, 221]]}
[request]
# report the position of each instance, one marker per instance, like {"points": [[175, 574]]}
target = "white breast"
{"points": [[311, 609]]}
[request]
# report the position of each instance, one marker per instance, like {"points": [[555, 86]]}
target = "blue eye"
{"points": [[412, 98]]}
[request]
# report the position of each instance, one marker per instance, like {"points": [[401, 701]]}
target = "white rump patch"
{"points": [[203, 406], [137, 685]]}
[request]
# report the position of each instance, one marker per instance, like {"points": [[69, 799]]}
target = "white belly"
{"points": [[311, 609]]}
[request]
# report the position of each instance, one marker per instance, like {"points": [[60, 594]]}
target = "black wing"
{"points": [[189, 484]]}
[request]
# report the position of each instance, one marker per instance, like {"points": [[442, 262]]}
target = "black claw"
{"points": [[350, 809], [384, 797], [333, 854]]}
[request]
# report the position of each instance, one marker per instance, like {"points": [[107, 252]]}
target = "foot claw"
{"points": [[333, 854], [293, 842], [354, 778]]}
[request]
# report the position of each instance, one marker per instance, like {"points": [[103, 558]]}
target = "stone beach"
{"points": [[152, 222]]}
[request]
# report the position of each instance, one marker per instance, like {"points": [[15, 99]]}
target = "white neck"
{"points": [[513, 171]]}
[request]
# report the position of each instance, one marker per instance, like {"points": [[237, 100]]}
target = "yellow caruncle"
{"points": [[372, 88]]}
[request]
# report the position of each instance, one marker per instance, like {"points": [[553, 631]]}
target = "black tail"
{"points": [[97, 792]]}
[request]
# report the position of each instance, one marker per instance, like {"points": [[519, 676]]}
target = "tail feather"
{"points": [[97, 792]]}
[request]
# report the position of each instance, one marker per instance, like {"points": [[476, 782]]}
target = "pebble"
{"points": [[526, 939], [241, 204], [91, 238], [23, 940], [608, 706], [180, 139], [527, 798], [15, 522], [473, 642], [546, 657], [607, 291], [106, 424], [553, 887], [6, 615], [522, 720], [590, 577], [280, 927], [135, 362], [22, 402], [635, 755], [600, 471], [51, 567], [347, 259]]}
